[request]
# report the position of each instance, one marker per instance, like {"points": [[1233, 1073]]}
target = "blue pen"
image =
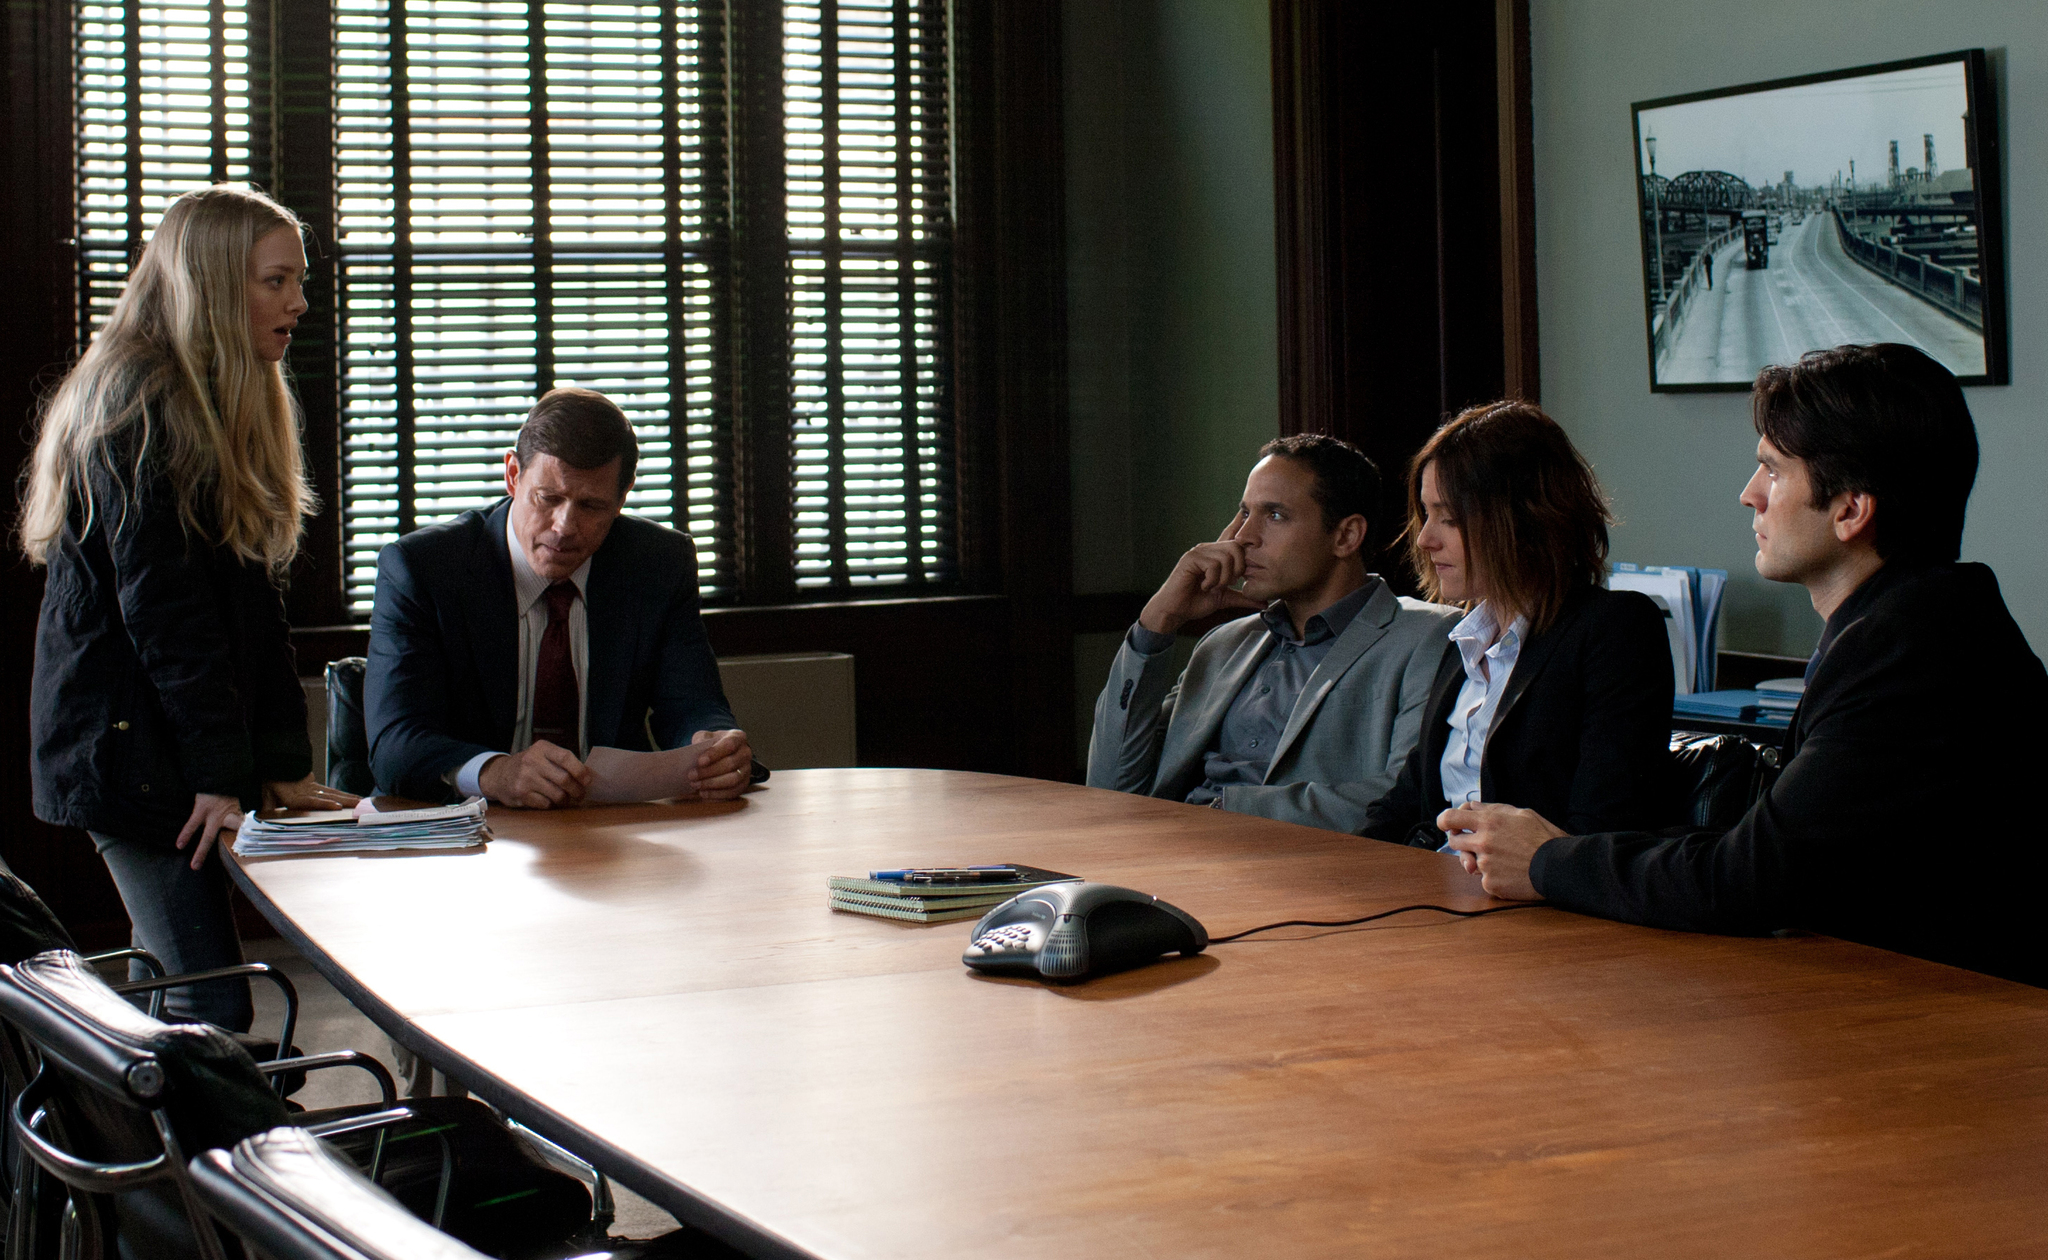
{"points": [[942, 872]]}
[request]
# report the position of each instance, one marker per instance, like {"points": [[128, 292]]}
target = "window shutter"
{"points": [[869, 216], [163, 107], [521, 205]]}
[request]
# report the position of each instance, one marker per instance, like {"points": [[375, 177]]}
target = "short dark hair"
{"points": [[1883, 420], [1347, 481], [1530, 510], [583, 429]]}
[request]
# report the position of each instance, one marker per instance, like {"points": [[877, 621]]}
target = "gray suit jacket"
{"points": [[1343, 746]]}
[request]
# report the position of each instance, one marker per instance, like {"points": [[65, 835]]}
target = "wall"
{"points": [[1675, 463], [1171, 290]]}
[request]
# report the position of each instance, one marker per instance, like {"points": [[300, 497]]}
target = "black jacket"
{"points": [[1582, 735], [1924, 706], [163, 669], [442, 682]]}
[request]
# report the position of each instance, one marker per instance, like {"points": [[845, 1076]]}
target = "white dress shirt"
{"points": [[1489, 657], [528, 589]]}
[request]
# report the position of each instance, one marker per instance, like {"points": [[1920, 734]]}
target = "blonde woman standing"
{"points": [[165, 496]]}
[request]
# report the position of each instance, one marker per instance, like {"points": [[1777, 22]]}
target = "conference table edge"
{"points": [[688, 1207]]}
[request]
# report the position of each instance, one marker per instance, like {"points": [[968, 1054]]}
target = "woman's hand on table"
{"points": [[210, 814]]}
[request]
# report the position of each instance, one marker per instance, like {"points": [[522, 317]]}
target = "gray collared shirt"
{"points": [[1252, 727]]}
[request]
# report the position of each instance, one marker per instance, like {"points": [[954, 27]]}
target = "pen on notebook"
{"points": [[962, 874]]}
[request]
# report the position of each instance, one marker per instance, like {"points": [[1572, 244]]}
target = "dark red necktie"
{"points": [[555, 716]]}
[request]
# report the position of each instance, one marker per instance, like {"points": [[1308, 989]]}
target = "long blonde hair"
{"points": [[176, 360]]}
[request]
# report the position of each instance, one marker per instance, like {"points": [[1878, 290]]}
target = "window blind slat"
{"points": [[867, 217]]}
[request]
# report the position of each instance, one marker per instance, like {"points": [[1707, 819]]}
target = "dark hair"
{"points": [[1347, 481], [1530, 510], [1882, 420], [583, 429]]}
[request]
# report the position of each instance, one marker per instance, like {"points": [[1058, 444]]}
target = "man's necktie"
{"points": [[555, 702]]}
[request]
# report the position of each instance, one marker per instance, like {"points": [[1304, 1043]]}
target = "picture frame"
{"points": [[1773, 194]]}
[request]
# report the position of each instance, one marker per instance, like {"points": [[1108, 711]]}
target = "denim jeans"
{"points": [[185, 918]]}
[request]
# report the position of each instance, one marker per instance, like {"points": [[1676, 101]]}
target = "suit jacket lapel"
{"points": [[610, 638], [1366, 629], [494, 625], [1529, 663]]}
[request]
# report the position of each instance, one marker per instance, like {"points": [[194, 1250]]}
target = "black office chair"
{"points": [[1716, 778], [113, 1100], [29, 927], [348, 740], [287, 1196], [117, 1097]]}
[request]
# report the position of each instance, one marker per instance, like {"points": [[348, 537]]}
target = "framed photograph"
{"points": [[1855, 206]]}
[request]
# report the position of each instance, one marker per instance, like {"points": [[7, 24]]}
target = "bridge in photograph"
{"points": [[1811, 296]]}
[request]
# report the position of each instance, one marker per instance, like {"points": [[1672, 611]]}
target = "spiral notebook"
{"points": [[934, 903]]}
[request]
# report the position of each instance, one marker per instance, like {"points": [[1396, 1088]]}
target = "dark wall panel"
{"points": [[35, 337], [1390, 203]]}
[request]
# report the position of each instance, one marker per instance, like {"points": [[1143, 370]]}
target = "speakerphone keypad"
{"points": [[1009, 937]]}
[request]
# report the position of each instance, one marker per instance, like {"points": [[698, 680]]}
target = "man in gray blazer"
{"points": [[1304, 712]]}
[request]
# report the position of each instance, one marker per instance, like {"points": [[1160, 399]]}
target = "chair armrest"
{"points": [[285, 988], [358, 1124], [143, 956], [66, 1167], [381, 1120], [386, 1087]]}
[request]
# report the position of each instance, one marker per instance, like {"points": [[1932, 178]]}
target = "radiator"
{"points": [[796, 707]]}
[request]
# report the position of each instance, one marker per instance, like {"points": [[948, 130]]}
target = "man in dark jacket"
{"points": [[1922, 700], [507, 643]]}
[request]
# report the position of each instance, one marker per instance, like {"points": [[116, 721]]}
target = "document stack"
{"points": [[336, 831], [1691, 600], [1778, 697], [929, 896], [1770, 704]]}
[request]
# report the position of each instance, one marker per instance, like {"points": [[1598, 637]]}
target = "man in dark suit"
{"points": [[506, 643], [1923, 701]]}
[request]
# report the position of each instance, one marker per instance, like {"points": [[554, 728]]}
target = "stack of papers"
{"points": [[339, 831], [1691, 600], [933, 903], [1780, 695]]}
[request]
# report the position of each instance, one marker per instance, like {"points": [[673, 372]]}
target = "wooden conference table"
{"points": [[662, 988]]}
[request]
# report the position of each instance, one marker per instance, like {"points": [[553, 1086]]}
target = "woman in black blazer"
{"points": [[165, 495], [1559, 698]]}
